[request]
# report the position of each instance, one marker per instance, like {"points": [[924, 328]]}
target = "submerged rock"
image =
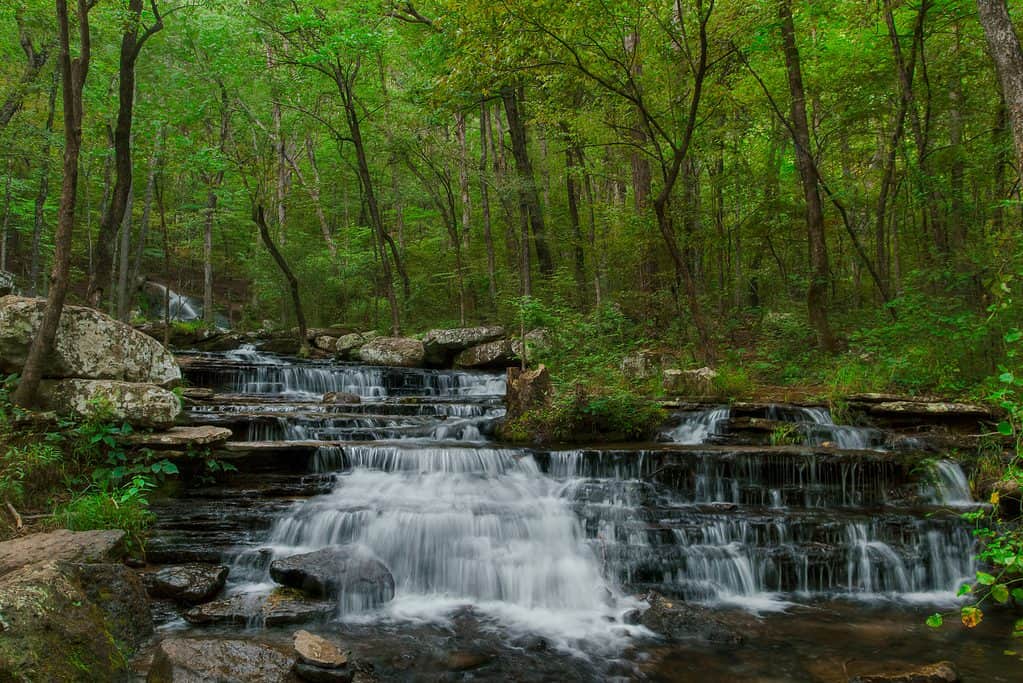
{"points": [[316, 674], [941, 672], [442, 345], [342, 398], [362, 580], [280, 607], [191, 660], [141, 405], [394, 351], [188, 583], [88, 345], [678, 620]]}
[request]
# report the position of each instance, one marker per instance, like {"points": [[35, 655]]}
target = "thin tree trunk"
{"points": [[463, 177], [529, 198], [35, 269], [1004, 47], [35, 61], [488, 237], [817, 292], [572, 192], [73, 74], [6, 223], [123, 300], [113, 215], [140, 246], [264, 232]]}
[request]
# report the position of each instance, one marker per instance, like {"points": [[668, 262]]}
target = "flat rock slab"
{"points": [[180, 437], [280, 607], [188, 583], [318, 651], [941, 672], [61, 546], [196, 660]]}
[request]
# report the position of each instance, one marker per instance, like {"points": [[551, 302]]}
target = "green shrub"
{"points": [[125, 508], [29, 469], [733, 382]]}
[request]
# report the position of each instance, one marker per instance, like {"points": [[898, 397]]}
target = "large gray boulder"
{"points": [[198, 660], [497, 354], [441, 346], [89, 345], [187, 583], [349, 572], [397, 351], [346, 345], [141, 405]]}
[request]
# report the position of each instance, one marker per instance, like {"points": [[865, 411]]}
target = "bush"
{"points": [[125, 507], [27, 470]]}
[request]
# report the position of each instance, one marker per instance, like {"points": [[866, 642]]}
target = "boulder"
{"points": [[89, 345], [695, 383], [188, 583], [288, 346], [396, 351], [527, 390], [6, 283], [318, 651], [539, 340], [641, 365], [496, 354], [193, 660], [442, 345], [141, 405], [348, 344], [326, 343], [68, 605], [280, 607], [941, 672], [316, 674], [341, 571], [342, 398]]}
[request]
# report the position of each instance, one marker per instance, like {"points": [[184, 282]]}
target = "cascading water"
{"points": [[820, 429], [555, 542]]}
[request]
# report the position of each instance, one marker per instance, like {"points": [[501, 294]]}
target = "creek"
{"points": [[823, 556]]}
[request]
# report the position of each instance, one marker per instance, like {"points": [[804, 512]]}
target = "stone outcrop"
{"points": [[337, 571], [692, 383], [342, 398], [89, 345], [142, 405], [179, 438], [191, 660], [442, 346], [641, 365], [189, 584], [527, 390], [394, 351], [497, 354], [68, 605]]}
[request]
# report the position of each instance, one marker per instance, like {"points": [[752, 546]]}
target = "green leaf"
{"points": [[935, 620], [1006, 378], [964, 589], [1000, 593], [985, 579], [1005, 428], [1017, 594]]}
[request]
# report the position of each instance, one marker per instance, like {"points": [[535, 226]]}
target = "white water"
{"points": [[696, 427], [949, 485]]}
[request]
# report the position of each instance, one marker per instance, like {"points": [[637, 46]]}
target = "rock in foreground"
{"points": [[278, 608], [497, 354], [142, 405], [191, 660], [941, 672], [89, 345], [362, 581]]}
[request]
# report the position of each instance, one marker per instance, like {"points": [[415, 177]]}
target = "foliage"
{"points": [[124, 507], [28, 468]]}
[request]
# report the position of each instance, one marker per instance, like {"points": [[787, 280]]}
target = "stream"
{"points": [[822, 557]]}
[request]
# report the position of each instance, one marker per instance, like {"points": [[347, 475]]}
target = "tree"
{"points": [[73, 72], [1004, 45]]}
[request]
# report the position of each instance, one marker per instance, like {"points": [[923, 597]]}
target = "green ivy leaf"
{"points": [[964, 589], [1000, 593], [1017, 594], [985, 579], [935, 620], [1005, 428]]}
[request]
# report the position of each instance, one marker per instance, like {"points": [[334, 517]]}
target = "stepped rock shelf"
{"points": [[465, 557]]}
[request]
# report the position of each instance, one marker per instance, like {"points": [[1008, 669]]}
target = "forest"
{"points": [[532, 340], [757, 184]]}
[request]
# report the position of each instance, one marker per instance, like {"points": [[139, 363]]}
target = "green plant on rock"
{"points": [[786, 435], [125, 507]]}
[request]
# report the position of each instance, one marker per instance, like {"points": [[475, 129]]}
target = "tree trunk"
{"points": [[131, 44], [35, 61], [140, 246], [5, 223], [572, 192], [529, 198], [264, 232], [207, 256], [463, 177], [123, 300], [817, 292], [35, 269], [1004, 46], [488, 237], [73, 74]]}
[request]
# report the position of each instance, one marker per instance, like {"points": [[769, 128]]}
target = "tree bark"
{"points": [[817, 292], [140, 243], [488, 237], [264, 232], [73, 74], [35, 267], [35, 61], [529, 197], [1004, 46], [131, 45]]}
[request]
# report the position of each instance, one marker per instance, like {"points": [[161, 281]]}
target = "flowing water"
{"points": [[563, 543]]}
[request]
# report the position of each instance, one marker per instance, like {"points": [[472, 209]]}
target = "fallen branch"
{"points": [[18, 524]]}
